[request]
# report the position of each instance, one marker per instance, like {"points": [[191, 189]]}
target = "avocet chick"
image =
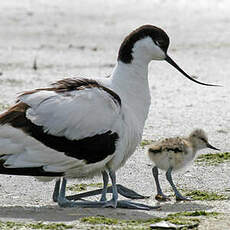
{"points": [[174, 153]]}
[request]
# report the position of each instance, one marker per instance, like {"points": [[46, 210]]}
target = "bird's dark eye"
{"points": [[157, 43], [160, 43], [203, 139]]}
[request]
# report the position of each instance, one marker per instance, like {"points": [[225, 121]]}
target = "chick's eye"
{"points": [[203, 139]]}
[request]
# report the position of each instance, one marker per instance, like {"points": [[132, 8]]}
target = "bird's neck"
{"points": [[130, 81], [196, 147]]}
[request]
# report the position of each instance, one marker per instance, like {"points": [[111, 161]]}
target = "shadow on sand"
{"points": [[54, 213]]}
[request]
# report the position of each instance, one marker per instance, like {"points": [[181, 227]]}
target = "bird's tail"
{"points": [[27, 171]]}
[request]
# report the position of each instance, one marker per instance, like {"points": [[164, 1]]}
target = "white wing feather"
{"points": [[75, 115]]}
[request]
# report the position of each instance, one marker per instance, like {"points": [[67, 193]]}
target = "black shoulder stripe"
{"points": [[159, 150], [113, 95], [70, 84], [175, 150], [155, 151]]}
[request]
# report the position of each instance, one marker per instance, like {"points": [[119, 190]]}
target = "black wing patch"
{"points": [[91, 149]]}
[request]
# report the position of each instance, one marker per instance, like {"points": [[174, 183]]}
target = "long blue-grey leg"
{"points": [[177, 193], [114, 202], [160, 195], [105, 184], [63, 202], [128, 193], [56, 190]]}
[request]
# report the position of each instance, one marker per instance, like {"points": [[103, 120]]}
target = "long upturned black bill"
{"points": [[170, 61], [212, 147]]}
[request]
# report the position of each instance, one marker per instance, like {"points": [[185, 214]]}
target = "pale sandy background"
{"points": [[81, 38]]}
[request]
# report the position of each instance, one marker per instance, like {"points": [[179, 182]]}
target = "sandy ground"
{"points": [[81, 38]]}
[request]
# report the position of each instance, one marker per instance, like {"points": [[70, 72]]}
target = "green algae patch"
{"points": [[213, 158], [58, 226], [195, 213], [3, 106], [77, 187], [18, 225], [204, 195], [137, 224], [83, 186], [145, 142]]}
